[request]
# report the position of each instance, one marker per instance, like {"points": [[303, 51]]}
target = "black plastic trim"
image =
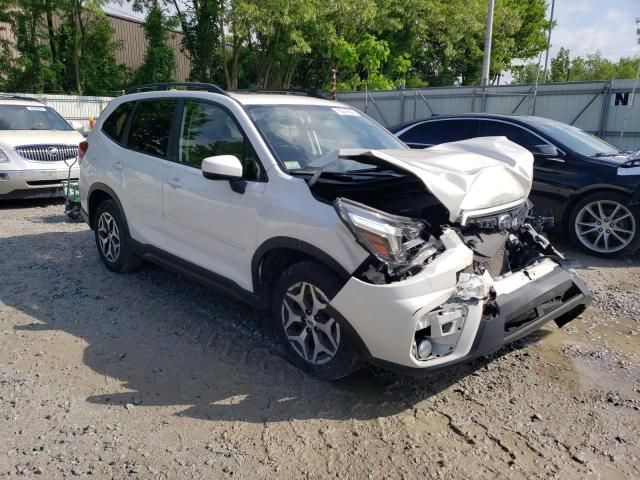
{"points": [[196, 273], [293, 244], [104, 188]]}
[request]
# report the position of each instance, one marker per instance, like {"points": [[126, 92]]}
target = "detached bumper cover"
{"points": [[525, 301]]}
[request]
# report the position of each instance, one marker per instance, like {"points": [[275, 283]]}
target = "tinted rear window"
{"points": [[31, 117], [436, 132], [114, 125], [149, 132]]}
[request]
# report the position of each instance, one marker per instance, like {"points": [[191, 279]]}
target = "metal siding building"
{"points": [[129, 33]]}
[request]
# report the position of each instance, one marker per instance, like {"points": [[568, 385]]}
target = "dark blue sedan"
{"points": [[591, 187]]}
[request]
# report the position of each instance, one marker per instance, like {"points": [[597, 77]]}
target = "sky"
{"points": [[582, 26]]}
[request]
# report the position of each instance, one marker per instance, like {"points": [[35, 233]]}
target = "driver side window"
{"points": [[207, 130]]}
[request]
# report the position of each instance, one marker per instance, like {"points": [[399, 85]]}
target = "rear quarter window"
{"points": [[114, 125], [150, 127]]}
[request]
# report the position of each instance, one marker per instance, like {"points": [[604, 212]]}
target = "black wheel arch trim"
{"points": [[298, 245], [108, 190]]}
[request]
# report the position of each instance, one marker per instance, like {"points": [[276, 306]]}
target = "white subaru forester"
{"points": [[364, 250]]}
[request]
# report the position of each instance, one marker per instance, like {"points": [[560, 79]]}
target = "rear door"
{"points": [[207, 222], [549, 175], [143, 166], [435, 132]]}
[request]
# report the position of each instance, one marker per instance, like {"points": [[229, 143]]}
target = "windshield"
{"points": [[27, 117], [299, 134], [577, 140]]}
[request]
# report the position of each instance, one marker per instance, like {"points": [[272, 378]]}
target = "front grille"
{"points": [[47, 153]]}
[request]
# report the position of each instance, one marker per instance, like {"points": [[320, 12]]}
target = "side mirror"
{"points": [[545, 151], [222, 167]]}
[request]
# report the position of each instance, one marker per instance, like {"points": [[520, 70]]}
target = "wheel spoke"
{"points": [[318, 347], [600, 235], [623, 230], [326, 328], [601, 211], [591, 212], [615, 210], [292, 316], [622, 240], [585, 232], [624, 216], [606, 240]]}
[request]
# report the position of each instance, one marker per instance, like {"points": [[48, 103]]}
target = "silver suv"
{"points": [[35, 142]]}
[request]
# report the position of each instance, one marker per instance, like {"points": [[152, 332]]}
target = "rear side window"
{"points": [[489, 128], [149, 131], [114, 125], [436, 132]]}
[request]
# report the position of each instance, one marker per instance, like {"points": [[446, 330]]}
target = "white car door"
{"points": [[208, 223], [143, 169]]}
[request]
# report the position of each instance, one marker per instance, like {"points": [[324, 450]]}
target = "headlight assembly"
{"points": [[396, 241]]}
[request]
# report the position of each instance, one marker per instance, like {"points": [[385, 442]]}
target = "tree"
{"points": [[159, 60], [560, 66], [199, 20]]}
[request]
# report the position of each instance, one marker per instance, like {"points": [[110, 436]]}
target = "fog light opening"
{"points": [[424, 349]]}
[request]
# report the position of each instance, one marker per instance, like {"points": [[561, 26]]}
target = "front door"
{"points": [[207, 223]]}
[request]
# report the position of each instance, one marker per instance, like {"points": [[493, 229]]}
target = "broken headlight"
{"points": [[396, 241]]}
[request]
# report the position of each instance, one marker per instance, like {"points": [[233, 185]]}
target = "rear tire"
{"points": [[314, 341], [604, 225], [114, 245]]}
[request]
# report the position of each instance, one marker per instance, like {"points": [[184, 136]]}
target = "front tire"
{"points": [[112, 240], [314, 341], [604, 225]]}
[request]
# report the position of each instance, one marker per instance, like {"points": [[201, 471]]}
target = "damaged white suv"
{"points": [[364, 250]]}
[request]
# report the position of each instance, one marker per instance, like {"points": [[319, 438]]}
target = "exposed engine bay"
{"points": [[395, 217]]}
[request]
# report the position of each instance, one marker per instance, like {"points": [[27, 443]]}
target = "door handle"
{"points": [[117, 165], [175, 183]]}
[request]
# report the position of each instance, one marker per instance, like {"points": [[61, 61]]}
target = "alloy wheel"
{"points": [[109, 237], [312, 333], [605, 226]]}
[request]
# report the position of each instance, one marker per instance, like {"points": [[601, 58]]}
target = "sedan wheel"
{"points": [[605, 226], [312, 333]]}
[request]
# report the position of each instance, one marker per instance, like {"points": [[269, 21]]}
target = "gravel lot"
{"points": [[148, 375]]}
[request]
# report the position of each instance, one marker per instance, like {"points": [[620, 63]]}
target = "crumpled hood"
{"points": [[467, 175], [9, 139]]}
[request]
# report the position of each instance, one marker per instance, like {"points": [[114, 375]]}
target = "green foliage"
{"points": [[75, 53], [591, 67], [159, 60]]}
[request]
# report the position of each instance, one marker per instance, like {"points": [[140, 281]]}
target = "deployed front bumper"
{"points": [[388, 319]]}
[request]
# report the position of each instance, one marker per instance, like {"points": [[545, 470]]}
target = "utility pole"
{"points": [[488, 33], [546, 57]]}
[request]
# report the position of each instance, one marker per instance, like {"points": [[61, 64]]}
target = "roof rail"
{"points": [[284, 91], [9, 96], [209, 87]]}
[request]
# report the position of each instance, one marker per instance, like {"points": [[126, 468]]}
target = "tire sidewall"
{"points": [[612, 196], [348, 358]]}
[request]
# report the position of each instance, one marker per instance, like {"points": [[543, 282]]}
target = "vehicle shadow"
{"points": [[161, 340]]}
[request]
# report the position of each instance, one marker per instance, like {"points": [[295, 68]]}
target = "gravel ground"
{"points": [[148, 375]]}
